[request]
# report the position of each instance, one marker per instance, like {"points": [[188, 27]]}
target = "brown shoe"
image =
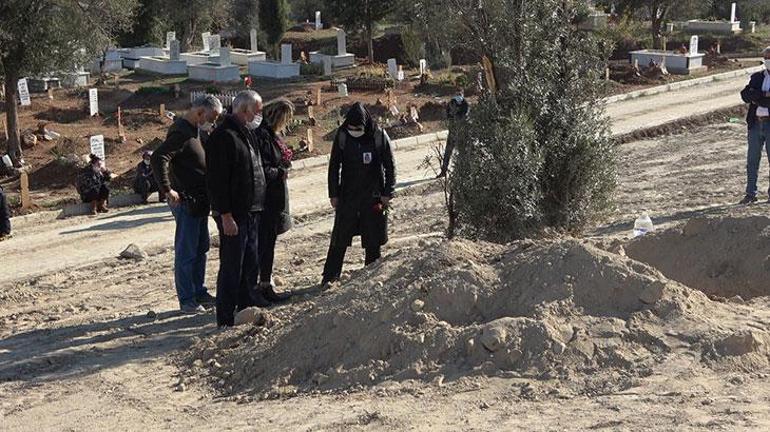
{"points": [[102, 207]]}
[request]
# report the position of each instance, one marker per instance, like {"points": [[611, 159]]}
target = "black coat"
{"points": [[754, 96], [277, 212], [5, 214], [235, 183], [361, 171]]}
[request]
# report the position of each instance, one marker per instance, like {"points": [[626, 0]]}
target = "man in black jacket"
{"points": [[236, 186], [179, 166], [456, 113], [757, 95], [5, 216]]}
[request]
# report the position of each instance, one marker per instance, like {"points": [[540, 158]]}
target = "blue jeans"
{"points": [[759, 137], [191, 243]]}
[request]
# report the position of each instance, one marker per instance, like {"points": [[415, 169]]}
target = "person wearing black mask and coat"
{"points": [[362, 180], [236, 187]]}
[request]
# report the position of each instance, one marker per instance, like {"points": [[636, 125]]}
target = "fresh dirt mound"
{"points": [[439, 311], [721, 257]]}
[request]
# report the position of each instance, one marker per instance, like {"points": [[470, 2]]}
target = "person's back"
{"points": [[179, 163]]}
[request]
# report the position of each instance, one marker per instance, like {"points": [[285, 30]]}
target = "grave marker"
{"points": [[342, 43], [318, 24], [342, 89], [733, 13], [121, 132], [24, 93], [423, 67], [400, 76], [26, 201], [253, 40], [393, 68], [93, 101], [97, 146], [317, 97], [215, 43], [170, 36], [286, 54], [224, 57], [310, 145], [174, 50], [50, 93], [694, 44], [162, 110], [327, 65], [206, 42]]}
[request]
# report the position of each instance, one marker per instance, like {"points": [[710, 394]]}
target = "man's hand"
{"points": [[385, 200], [229, 226], [173, 197], [334, 202]]}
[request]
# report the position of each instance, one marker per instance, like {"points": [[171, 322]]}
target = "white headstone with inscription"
{"points": [[286, 54], [93, 101], [97, 146], [694, 44], [206, 41], [318, 24], [253, 40], [169, 37], [24, 92]]}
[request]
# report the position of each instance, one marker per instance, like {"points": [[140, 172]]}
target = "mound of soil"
{"points": [[440, 311]]}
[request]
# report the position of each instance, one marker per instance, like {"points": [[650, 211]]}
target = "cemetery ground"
{"points": [[96, 346]]}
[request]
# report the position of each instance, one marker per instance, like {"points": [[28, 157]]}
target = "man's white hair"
{"points": [[245, 100], [209, 102], [765, 52]]}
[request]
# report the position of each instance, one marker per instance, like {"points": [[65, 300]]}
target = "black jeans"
{"points": [[268, 235], [102, 194], [5, 215], [335, 258], [238, 267], [448, 150]]}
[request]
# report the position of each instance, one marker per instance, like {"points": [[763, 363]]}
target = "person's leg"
{"points": [[5, 215], [268, 235], [766, 136], [231, 251], [753, 158], [450, 146], [104, 196], [335, 259], [185, 255], [373, 253], [249, 294], [204, 244]]}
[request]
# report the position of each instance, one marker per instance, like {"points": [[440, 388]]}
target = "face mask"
{"points": [[146, 162], [356, 133], [254, 124], [767, 64]]}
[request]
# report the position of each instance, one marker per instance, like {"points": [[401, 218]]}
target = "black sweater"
{"points": [[235, 181], [180, 162]]}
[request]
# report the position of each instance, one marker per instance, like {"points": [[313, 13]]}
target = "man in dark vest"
{"points": [[757, 95]]}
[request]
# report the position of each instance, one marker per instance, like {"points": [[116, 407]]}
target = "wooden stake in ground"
{"points": [[607, 74], [5, 129], [310, 145], [121, 132], [162, 110], [26, 201], [117, 82], [50, 93], [311, 115], [318, 96]]}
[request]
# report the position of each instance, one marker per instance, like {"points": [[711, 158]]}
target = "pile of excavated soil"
{"points": [[440, 311]]}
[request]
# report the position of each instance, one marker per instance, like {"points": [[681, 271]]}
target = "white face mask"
{"points": [[254, 124], [357, 133], [767, 64], [147, 162], [207, 127]]}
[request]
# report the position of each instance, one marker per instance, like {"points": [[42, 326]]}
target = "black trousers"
{"points": [[448, 150], [268, 235], [5, 215], [102, 194], [238, 267], [335, 259], [145, 187]]}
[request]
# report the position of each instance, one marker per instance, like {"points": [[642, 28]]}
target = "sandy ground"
{"points": [[89, 342]]}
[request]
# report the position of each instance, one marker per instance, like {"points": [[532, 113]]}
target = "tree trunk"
{"points": [[370, 41], [12, 117]]}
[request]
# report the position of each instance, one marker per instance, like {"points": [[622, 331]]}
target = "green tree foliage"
{"points": [[44, 36], [274, 21], [190, 18], [536, 150], [658, 12], [361, 15]]}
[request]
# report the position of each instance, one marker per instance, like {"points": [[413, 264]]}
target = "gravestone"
{"points": [[253, 39], [215, 43], [206, 41], [669, 27], [97, 146], [393, 68], [342, 43], [24, 92], [26, 201], [733, 13], [170, 36], [286, 54], [174, 50], [423, 67], [318, 24], [753, 27], [327, 65], [224, 57], [342, 89], [694, 44], [93, 101]]}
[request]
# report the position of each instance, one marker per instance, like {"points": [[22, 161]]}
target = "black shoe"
{"points": [[270, 295], [206, 299], [748, 199], [258, 298], [442, 174]]}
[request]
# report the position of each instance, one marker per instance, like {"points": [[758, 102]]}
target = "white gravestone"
{"points": [[24, 92], [286, 54], [327, 65], [206, 42], [393, 68], [694, 45], [423, 67], [253, 40], [169, 37], [342, 43], [224, 57], [93, 101], [342, 89], [215, 43], [318, 24], [97, 146], [733, 14], [174, 50]]}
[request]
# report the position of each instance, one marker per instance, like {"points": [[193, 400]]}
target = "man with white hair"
{"points": [[236, 186], [757, 95], [179, 166]]}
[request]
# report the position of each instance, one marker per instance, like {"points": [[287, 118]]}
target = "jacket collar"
{"points": [[232, 123]]}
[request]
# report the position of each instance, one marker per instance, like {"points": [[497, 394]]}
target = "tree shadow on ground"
{"points": [[62, 116]]}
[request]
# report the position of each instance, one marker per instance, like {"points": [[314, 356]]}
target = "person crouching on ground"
{"points": [[757, 95], [5, 216], [144, 179], [179, 166], [92, 185], [362, 179], [236, 186], [276, 218]]}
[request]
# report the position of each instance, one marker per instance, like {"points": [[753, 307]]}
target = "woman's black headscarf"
{"points": [[358, 115]]}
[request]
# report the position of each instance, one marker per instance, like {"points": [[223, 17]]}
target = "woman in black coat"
{"points": [[362, 179], [276, 162]]}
